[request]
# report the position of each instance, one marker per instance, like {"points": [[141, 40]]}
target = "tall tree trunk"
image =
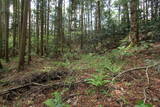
{"points": [[37, 26], [60, 26], [5, 5], [1, 42], [98, 19], [48, 15], [134, 24], [29, 36], [23, 33], [42, 28], [15, 25], [82, 24]]}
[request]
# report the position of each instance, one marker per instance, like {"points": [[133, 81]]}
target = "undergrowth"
{"points": [[56, 101]]}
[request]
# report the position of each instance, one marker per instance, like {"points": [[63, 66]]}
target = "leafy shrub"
{"points": [[56, 102]]}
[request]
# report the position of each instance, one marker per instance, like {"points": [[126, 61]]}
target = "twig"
{"points": [[144, 91], [147, 75]]}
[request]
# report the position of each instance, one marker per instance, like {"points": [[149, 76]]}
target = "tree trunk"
{"points": [[24, 18], [5, 6], [1, 67], [82, 24], [48, 15], [60, 29], [29, 36], [37, 26], [1, 45], [134, 24], [42, 28], [15, 26]]}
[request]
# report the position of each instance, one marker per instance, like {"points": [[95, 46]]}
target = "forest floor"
{"points": [[34, 85]]}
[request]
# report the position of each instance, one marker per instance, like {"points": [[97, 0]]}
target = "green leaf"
{"points": [[49, 103]]}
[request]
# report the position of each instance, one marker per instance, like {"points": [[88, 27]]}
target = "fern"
{"points": [[98, 80], [56, 102]]}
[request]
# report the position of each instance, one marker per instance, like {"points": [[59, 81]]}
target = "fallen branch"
{"points": [[148, 82], [43, 87], [19, 87], [134, 69]]}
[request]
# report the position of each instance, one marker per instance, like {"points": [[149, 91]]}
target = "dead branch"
{"points": [[148, 81], [144, 93], [134, 69], [19, 87], [43, 87]]}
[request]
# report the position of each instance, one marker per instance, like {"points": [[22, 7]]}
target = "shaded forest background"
{"points": [[50, 28]]}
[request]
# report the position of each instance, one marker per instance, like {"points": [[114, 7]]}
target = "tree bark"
{"points": [[23, 33], [1, 67], [42, 28], [82, 24], [5, 6], [37, 26], [134, 24], [29, 36]]}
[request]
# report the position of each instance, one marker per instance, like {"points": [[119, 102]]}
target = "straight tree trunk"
{"points": [[15, 26], [23, 33], [134, 24], [5, 6], [48, 15], [1, 45], [60, 26], [82, 24], [37, 26], [42, 28], [29, 36]]}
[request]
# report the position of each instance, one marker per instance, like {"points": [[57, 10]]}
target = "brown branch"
{"points": [[50, 86], [134, 69], [148, 81]]}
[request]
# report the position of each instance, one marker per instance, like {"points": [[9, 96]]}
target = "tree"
{"points": [[5, 32], [37, 26], [1, 44], [15, 25], [134, 24], [60, 26], [23, 33], [82, 23], [1, 67], [29, 35], [42, 28]]}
